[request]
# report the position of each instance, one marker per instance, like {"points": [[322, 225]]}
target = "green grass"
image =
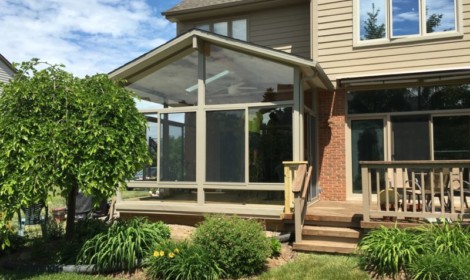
{"points": [[136, 193], [9, 275], [318, 266]]}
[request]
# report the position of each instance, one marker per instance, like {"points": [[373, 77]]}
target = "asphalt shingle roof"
{"points": [[193, 4]]}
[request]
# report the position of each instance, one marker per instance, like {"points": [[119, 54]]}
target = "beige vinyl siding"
{"points": [[339, 58], [286, 28], [277, 28], [5, 72]]}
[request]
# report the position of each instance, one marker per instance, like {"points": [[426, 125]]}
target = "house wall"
{"points": [[5, 72], [332, 151], [286, 28], [333, 47]]}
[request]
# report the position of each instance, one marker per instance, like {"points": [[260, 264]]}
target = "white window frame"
{"points": [[389, 39]]}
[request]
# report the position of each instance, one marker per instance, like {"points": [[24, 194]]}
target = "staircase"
{"points": [[330, 234]]}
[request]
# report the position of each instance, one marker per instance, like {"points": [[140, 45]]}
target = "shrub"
{"points": [[54, 230], [239, 246], [86, 229], [387, 251], [182, 261], [16, 244], [440, 266], [124, 245], [448, 238], [276, 247]]}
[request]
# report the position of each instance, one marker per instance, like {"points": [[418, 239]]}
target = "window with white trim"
{"points": [[386, 20], [237, 29]]}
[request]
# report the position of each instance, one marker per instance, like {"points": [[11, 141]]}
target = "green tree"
{"points": [[432, 22], [61, 134], [372, 29]]}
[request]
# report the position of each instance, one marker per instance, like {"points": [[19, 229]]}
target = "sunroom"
{"points": [[223, 115]]}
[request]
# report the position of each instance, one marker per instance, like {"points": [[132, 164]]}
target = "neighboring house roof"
{"points": [[146, 63], [7, 63]]}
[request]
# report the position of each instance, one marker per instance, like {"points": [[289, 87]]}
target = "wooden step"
{"points": [[325, 246], [331, 232], [334, 221]]}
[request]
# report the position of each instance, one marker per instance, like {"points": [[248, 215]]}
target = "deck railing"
{"points": [[290, 169], [299, 181], [415, 189]]}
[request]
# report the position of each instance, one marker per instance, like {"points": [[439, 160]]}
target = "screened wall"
{"points": [[222, 140]]}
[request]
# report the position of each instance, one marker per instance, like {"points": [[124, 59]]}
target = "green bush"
{"points": [[54, 230], [87, 228], [276, 247], [124, 245], [448, 238], [446, 266], [387, 251], [239, 246], [182, 261]]}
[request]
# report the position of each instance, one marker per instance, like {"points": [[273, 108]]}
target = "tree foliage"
{"points": [[60, 133], [372, 29], [432, 22]]}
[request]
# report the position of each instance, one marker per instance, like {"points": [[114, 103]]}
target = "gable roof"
{"points": [[148, 62]]}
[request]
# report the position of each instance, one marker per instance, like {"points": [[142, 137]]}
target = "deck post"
{"points": [[290, 167], [365, 193]]}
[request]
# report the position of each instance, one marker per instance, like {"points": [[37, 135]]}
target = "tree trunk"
{"points": [[70, 226]]}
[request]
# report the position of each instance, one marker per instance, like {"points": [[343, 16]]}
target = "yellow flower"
{"points": [[162, 253], [171, 255], [176, 251], [156, 254]]}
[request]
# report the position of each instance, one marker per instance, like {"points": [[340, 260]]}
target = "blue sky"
{"points": [[87, 36]]}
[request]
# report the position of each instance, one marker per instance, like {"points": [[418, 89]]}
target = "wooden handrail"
{"points": [[298, 182], [301, 186], [308, 178], [290, 169]]}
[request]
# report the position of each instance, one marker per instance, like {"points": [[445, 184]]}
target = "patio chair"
{"points": [[455, 187], [83, 206], [416, 188], [398, 179], [32, 216]]}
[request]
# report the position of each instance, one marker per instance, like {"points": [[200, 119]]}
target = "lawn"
{"points": [[305, 266], [317, 266]]}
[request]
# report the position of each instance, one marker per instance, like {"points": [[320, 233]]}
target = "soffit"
{"points": [[155, 59], [201, 9]]}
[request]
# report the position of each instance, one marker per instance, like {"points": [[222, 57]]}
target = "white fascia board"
{"points": [[184, 41]]}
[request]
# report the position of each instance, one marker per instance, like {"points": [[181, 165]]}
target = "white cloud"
{"points": [[88, 36], [407, 16]]}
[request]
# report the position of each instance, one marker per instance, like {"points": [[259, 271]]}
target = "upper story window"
{"points": [[237, 29], [388, 20]]}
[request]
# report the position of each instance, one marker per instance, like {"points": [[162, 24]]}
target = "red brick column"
{"points": [[332, 149]]}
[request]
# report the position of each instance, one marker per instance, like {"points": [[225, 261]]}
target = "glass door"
{"points": [[367, 140]]}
